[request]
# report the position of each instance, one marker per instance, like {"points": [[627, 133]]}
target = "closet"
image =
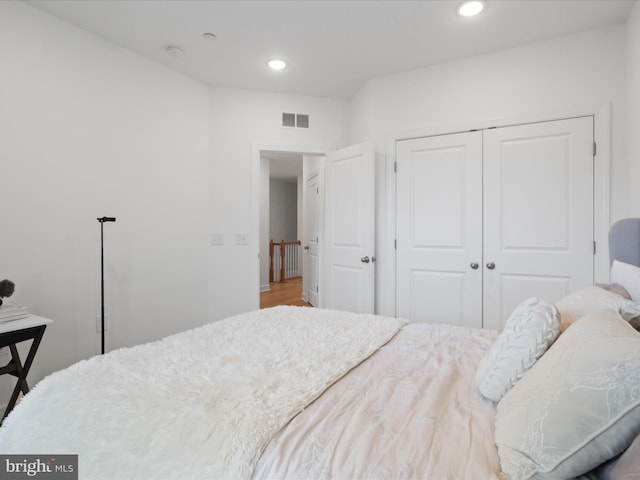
{"points": [[486, 219]]}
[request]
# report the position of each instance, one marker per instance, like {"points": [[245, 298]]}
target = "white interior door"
{"points": [[439, 229], [348, 273], [538, 213], [311, 238]]}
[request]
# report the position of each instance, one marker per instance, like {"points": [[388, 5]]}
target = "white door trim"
{"points": [[602, 199], [254, 234]]}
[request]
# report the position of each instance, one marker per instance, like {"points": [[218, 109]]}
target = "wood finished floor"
{"points": [[288, 292]]}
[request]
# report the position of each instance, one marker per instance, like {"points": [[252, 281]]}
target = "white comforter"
{"points": [[411, 411], [196, 405]]}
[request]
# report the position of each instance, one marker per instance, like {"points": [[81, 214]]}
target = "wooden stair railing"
{"points": [[283, 260]]}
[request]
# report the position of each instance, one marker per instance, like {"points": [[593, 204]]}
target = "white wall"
{"points": [[633, 105], [241, 122], [567, 72], [89, 129], [283, 207]]}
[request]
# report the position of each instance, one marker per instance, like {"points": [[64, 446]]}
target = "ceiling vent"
{"points": [[295, 120]]}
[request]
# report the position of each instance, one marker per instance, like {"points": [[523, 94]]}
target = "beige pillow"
{"points": [[615, 288], [627, 467], [587, 300], [577, 407]]}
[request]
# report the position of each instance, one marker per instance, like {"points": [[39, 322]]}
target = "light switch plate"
{"points": [[242, 239], [99, 323], [217, 239]]}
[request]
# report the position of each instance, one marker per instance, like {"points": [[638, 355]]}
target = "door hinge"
{"points": [[395, 244], [317, 289], [594, 247], [594, 149], [317, 190], [395, 167]]}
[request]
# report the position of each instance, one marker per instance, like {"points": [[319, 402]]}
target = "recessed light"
{"points": [[209, 36], [174, 51], [277, 64], [471, 8]]}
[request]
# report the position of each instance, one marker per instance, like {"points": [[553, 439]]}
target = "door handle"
{"points": [[474, 265], [364, 259], [491, 265]]}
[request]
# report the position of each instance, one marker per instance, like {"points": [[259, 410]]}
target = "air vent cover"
{"points": [[302, 121], [295, 120], [288, 119]]}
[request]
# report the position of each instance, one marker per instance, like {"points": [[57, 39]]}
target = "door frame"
{"points": [[254, 206], [386, 291]]}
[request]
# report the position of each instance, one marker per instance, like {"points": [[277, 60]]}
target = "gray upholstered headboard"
{"points": [[624, 241]]}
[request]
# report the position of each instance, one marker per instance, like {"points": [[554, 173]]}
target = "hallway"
{"points": [[288, 292]]}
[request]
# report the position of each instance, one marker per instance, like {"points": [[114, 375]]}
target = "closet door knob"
{"points": [[474, 266], [491, 265], [364, 259]]}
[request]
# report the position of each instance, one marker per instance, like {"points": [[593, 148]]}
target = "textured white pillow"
{"points": [[628, 276], [585, 301], [577, 407], [529, 331]]}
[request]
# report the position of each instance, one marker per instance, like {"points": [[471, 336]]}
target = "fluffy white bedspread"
{"points": [[196, 405]]}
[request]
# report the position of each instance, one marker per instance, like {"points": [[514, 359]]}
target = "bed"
{"points": [[304, 393]]}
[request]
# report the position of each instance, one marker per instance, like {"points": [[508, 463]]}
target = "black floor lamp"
{"points": [[102, 220]]}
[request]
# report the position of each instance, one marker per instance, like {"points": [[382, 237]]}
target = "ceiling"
{"points": [[333, 47]]}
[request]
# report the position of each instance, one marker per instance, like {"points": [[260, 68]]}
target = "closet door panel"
{"points": [[538, 213], [439, 229]]}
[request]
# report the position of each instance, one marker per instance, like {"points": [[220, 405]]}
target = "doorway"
{"points": [[346, 225], [288, 259]]}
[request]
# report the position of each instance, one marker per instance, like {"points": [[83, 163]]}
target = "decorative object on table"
{"points": [[7, 287], [102, 220], [9, 313]]}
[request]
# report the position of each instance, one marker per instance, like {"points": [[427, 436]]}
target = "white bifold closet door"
{"points": [[439, 229], [489, 218]]}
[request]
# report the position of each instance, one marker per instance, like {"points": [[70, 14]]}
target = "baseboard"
{"points": [[265, 288]]}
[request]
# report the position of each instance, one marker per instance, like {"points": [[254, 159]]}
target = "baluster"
{"points": [[282, 259], [271, 260]]}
